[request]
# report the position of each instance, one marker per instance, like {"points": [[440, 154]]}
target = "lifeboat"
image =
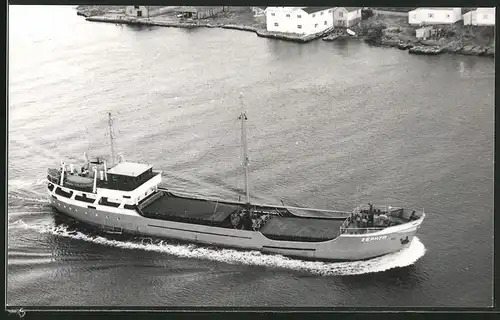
{"points": [[78, 181]]}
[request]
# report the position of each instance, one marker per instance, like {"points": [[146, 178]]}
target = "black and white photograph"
{"points": [[249, 157]]}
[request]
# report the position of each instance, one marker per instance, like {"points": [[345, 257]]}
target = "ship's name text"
{"points": [[373, 238]]}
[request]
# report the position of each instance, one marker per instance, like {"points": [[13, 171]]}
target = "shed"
{"points": [[259, 11], [346, 16], [145, 11], [199, 12], [423, 33]]}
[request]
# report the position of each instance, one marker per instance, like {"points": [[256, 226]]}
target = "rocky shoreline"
{"points": [[372, 31], [421, 47]]}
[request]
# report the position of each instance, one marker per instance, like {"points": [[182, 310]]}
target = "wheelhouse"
{"points": [[127, 176]]}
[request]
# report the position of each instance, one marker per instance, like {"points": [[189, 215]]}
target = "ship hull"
{"points": [[345, 247]]}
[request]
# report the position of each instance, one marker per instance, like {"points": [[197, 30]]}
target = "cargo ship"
{"points": [[126, 198]]}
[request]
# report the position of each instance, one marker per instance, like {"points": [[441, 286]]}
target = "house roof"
{"points": [[285, 8], [435, 8], [130, 169], [315, 9]]}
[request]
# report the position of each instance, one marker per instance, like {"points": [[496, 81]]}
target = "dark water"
{"points": [[331, 125]]}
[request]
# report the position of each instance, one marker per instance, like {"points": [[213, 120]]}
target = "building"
{"points": [[299, 20], [259, 11], [428, 33], [192, 12], [145, 11], [346, 16], [480, 17], [437, 15]]}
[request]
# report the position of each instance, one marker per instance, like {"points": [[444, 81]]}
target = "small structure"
{"points": [[480, 17], [192, 12], [437, 15], [299, 20], [259, 11], [423, 33], [346, 17], [145, 11]]}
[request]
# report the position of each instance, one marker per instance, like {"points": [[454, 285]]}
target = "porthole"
{"points": [[86, 213], [107, 217], [117, 218], [96, 214]]}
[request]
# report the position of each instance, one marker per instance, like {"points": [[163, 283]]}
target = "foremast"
{"points": [[111, 139], [244, 148]]}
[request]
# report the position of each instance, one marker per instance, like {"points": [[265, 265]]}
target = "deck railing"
{"points": [[359, 230]]}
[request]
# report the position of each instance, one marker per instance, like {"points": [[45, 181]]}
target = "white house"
{"points": [[346, 16], [299, 20], [437, 15], [480, 17], [145, 11]]}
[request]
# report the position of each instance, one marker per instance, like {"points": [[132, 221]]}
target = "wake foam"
{"points": [[27, 199], [17, 184], [399, 259], [22, 192]]}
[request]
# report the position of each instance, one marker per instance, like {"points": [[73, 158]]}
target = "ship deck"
{"points": [[193, 209], [301, 229], [166, 206]]}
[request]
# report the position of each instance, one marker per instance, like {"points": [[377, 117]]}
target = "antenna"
{"points": [[111, 138], [244, 148]]}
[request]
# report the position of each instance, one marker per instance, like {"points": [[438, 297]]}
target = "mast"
{"points": [[244, 148], [111, 138]]}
